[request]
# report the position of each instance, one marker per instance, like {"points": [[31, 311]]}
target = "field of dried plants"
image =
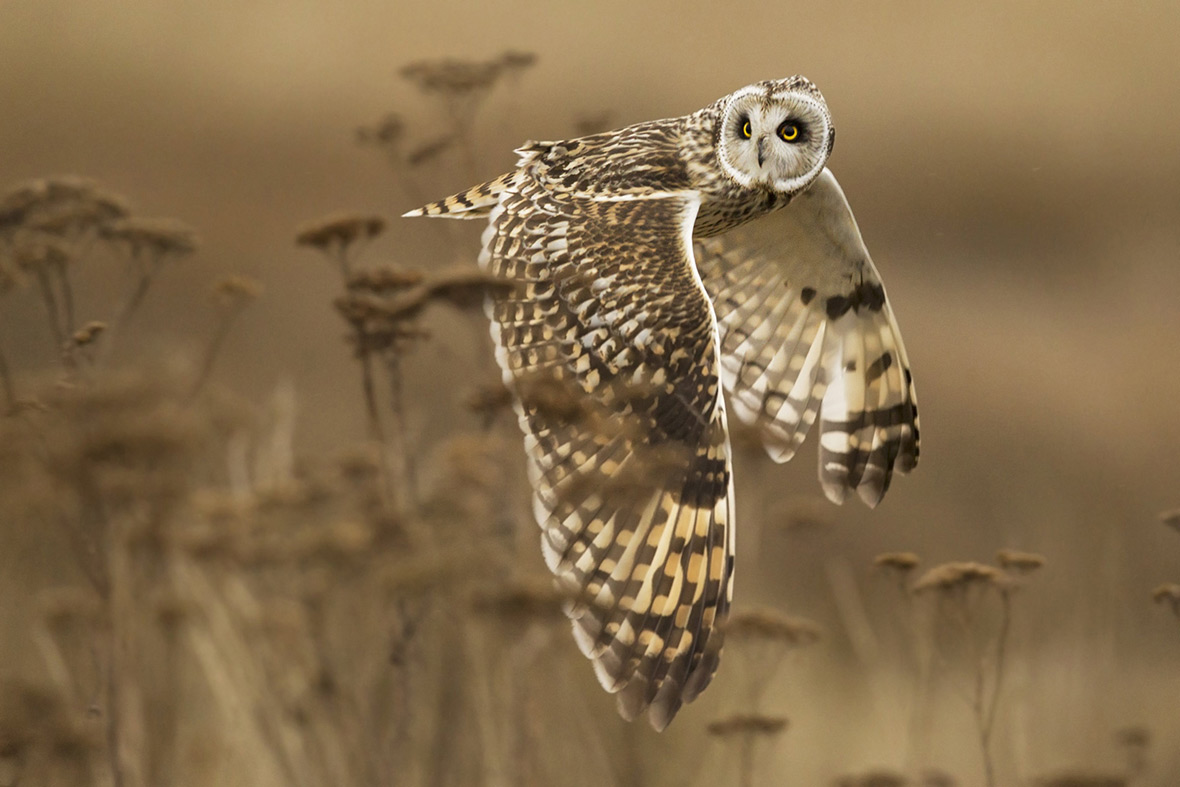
{"points": [[331, 575]]}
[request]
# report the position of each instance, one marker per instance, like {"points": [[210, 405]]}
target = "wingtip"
{"points": [[413, 213]]}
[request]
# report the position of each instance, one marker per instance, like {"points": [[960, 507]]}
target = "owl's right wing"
{"points": [[608, 339], [805, 329]]}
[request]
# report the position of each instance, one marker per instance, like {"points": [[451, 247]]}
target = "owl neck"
{"points": [[725, 204]]}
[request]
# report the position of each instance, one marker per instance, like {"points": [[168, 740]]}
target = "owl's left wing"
{"points": [[609, 341], [805, 329]]}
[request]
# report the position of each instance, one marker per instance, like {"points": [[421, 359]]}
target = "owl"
{"points": [[654, 276]]}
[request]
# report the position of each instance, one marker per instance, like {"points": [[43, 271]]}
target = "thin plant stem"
{"points": [[989, 720], [376, 429], [746, 761], [135, 300], [407, 478], [64, 347], [130, 304], [212, 351], [67, 296], [6, 384]]}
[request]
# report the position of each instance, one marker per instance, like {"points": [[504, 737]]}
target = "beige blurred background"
{"points": [[1015, 171]]}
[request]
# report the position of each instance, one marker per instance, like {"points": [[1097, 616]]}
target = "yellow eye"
{"points": [[789, 132], [746, 129]]}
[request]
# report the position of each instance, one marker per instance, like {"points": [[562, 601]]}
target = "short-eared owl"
{"points": [[634, 299]]}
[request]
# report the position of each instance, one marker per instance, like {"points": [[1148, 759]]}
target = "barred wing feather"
{"points": [[806, 329], [609, 341]]}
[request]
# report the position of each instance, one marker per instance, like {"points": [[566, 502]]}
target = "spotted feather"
{"points": [[620, 401]]}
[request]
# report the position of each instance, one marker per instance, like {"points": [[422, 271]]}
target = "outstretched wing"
{"points": [[805, 327], [609, 341]]}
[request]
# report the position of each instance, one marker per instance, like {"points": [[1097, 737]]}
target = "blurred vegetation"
{"points": [[227, 609]]}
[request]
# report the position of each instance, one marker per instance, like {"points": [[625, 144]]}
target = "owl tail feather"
{"points": [[476, 202]]}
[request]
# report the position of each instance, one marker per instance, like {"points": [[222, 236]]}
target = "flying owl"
{"points": [[648, 270]]}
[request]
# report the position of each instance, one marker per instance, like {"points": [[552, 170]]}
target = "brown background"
{"points": [[1015, 171]]}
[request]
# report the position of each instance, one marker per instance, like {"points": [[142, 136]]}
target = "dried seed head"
{"points": [[525, 600], [1135, 736], [59, 205], [429, 151], [236, 289], [221, 506], [771, 626], [171, 609], [33, 253], [361, 464], [1082, 779], [386, 131], [463, 288], [157, 237], [384, 280], [958, 576], [9, 279], [586, 125], [31, 716], [900, 562], [935, 778], [1019, 562], [431, 570], [488, 400], [341, 540], [452, 77], [70, 607], [747, 724], [877, 778], [805, 515], [88, 333], [1168, 593], [518, 61], [340, 230]]}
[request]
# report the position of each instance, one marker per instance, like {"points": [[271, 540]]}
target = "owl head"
{"points": [[775, 135]]}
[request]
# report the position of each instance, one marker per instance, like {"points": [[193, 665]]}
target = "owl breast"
{"points": [[721, 212]]}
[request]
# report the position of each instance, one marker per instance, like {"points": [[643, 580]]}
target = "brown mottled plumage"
{"points": [[628, 318]]}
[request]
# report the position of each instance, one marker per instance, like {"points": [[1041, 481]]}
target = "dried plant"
{"points": [[585, 125], [150, 244], [48, 229], [875, 778], [1135, 744], [1171, 519], [1081, 779], [461, 87], [955, 580], [959, 589], [761, 639], [898, 566], [341, 237], [430, 151], [1020, 563], [231, 295], [745, 730], [488, 401], [1168, 594], [43, 740], [932, 777]]}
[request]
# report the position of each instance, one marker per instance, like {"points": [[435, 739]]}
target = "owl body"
{"points": [[638, 312]]}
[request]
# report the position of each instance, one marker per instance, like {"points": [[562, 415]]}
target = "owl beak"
{"points": [[761, 150]]}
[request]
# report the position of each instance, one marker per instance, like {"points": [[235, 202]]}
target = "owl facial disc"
{"points": [[775, 135]]}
